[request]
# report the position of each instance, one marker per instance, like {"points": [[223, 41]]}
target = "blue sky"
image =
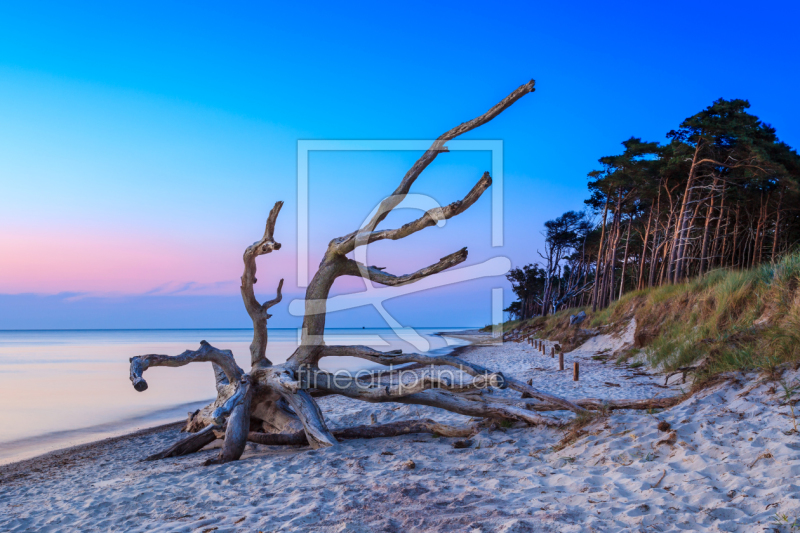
{"points": [[142, 145]]}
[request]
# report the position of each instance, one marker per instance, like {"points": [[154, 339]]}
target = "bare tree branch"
{"points": [[280, 396], [223, 411], [335, 262], [396, 358], [317, 432], [374, 392], [591, 404], [456, 403], [281, 380], [191, 444], [258, 313], [597, 404], [238, 406], [207, 353], [427, 158], [430, 218], [392, 429], [376, 274]]}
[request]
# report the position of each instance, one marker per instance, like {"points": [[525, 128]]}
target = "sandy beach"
{"points": [[343, 267], [729, 462]]}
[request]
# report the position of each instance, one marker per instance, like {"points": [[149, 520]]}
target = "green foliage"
{"points": [[729, 179], [505, 326], [782, 519], [729, 319], [789, 390]]}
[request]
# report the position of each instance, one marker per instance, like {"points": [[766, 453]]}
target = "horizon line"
{"points": [[207, 329]]}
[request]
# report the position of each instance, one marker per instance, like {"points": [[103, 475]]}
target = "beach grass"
{"points": [[728, 319]]}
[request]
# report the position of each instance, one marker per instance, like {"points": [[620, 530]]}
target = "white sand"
{"points": [[733, 466]]}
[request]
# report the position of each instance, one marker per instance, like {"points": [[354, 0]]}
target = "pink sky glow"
{"points": [[65, 262]]}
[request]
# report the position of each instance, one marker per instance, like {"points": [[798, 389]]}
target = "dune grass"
{"points": [[730, 319]]}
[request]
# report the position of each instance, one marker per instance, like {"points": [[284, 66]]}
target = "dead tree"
{"points": [[280, 398]]}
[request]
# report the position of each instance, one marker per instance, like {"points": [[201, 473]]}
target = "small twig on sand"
{"points": [[765, 455], [657, 483]]}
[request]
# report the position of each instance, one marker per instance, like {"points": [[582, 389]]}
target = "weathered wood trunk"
{"points": [[279, 399]]}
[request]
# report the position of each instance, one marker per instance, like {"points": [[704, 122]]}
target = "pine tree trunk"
{"points": [[653, 259], [666, 264], [625, 260], [709, 212], [714, 259], [613, 250], [596, 288], [640, 281], [684, 261], [777, 232], [757, 244], [722, 255], [679, 239], [735, 237]]}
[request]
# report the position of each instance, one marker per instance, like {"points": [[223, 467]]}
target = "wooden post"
{"points": [[561, 361], [553, 351], [575, 371]]}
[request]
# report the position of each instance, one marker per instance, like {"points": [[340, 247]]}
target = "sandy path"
{"points": [[732, 466], [600, 376]]}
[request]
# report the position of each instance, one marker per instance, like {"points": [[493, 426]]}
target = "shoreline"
{"points": [[63, 456], [35, 446], [21, 444], [727, 461]]}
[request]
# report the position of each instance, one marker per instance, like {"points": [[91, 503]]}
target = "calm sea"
{"points": [[66, 387]]}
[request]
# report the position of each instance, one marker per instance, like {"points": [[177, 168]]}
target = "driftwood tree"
{"points": [[279, 399]]}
